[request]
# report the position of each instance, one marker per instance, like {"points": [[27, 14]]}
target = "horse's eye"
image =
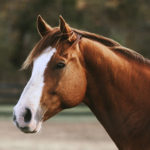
{"points": [[60, 65]]}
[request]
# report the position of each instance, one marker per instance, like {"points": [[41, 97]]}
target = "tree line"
{"points": [[126, 21]]}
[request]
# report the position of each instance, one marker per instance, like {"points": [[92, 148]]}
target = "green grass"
{"points": [[6, 111], [80, 112]]}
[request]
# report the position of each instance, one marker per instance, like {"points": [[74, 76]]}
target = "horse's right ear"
{"points": [[42, 27]]}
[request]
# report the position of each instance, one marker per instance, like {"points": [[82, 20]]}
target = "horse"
{"points": [[72, 66]]}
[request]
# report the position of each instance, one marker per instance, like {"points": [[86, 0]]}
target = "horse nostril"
{"points": [[27, 115]]}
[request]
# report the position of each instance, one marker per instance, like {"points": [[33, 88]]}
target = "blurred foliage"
{"points": [[126, 21]]}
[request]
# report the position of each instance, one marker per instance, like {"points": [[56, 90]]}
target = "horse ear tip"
{"points": [[39, 17], [60, 16], [62, 20]]}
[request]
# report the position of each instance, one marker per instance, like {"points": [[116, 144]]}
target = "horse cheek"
{"points": [[74, 88]]}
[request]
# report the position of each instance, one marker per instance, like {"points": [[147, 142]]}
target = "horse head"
{"points": [[58, 78]]}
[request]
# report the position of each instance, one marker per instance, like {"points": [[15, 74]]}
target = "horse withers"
{"points": [[71, 66]]}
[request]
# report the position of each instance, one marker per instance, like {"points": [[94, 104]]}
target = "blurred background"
{"points": [[126, 21]]}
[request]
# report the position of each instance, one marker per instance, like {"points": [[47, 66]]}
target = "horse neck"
{"points": [[114, 87]]}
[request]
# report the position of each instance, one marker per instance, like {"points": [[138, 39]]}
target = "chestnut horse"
{"points": [[72, 66]]}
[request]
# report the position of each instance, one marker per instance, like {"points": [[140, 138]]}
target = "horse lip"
{"points": [[24, 129], [27, 130], [34, 131]]}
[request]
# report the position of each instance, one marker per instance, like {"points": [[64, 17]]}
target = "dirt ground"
{"points": [[56, 135]]}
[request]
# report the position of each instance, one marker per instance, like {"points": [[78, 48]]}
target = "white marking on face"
{"points": [[31, 95]]}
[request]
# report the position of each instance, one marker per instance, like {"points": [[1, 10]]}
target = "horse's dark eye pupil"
{"points": [[60, 65]]}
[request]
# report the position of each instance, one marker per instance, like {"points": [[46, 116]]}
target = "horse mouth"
{"points": [[27, 130]]}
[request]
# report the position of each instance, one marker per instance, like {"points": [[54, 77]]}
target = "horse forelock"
{"points": [[52, 39], [48, 40]]}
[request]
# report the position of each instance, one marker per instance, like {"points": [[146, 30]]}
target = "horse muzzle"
{"points": [[26, 120]]}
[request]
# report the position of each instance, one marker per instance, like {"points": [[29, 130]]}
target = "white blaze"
{"points": [[31, 95]]}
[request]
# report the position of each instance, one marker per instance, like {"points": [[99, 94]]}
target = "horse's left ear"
{"points": [[42, 27], [66, 30]]}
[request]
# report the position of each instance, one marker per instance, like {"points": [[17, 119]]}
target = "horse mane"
{"points": [[115, 46], [52, 39]]}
